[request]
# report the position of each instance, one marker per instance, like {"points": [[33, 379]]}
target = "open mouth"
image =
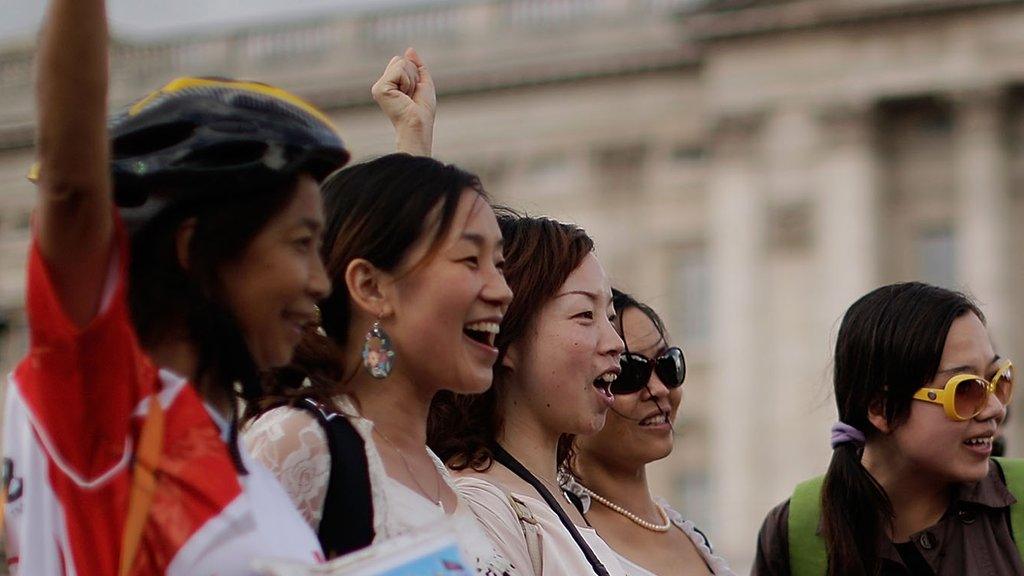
{"points": [[604, 381], [655, 420], [482, 332]]}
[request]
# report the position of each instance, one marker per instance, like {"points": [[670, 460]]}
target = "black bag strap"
{"points": [[509, 461], [347, 522]]}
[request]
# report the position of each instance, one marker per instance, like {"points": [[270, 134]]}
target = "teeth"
{"points": [[489, 327], [654, 420], [979, 441], [607, 377]]}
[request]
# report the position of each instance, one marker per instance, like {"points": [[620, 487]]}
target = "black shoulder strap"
{"points": [[507, 460], [347, 523]]}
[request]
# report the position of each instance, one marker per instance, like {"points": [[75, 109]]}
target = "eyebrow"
{"points": [[658, 349], [311, 223], [592, 295], [966, 368], [479, 239]]}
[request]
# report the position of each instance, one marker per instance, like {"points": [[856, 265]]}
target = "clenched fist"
{"points": [[405, 93]]}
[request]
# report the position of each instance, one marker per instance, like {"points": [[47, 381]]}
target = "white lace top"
{"points": [[293, 445], [717, 564]]}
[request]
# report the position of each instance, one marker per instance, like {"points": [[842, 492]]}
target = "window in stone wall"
{"points": [[935, 251], [692, 288], [620, 168], [688, 153], [790, 226], [918, 160], [548, 174], [15, 221], [23, 220]]}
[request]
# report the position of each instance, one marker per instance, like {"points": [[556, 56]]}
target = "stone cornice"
{"points": [[473, 47], [728, 19]]}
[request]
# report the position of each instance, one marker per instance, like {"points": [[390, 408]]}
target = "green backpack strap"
{"points": [[1013, 471], [807, 554]]}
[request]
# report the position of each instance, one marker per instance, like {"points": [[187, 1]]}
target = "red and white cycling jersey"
{"points": [[74, 411]]}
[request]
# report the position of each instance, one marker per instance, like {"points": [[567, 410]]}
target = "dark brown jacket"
{"points": [[973, 538]]}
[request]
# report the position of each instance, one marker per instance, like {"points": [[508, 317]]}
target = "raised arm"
{"points": [[73, 221], [405, 93]]}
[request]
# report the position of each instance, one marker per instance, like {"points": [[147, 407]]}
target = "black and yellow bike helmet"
{"points": [[198, 135]]}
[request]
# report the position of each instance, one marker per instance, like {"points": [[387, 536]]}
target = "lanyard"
{"points": [[509, 461]]}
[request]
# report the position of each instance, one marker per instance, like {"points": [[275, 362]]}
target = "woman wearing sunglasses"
{"points": [[911, 488], [609, 471]]}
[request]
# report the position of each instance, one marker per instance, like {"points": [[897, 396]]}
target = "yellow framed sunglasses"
{"points": [[965, 395]]}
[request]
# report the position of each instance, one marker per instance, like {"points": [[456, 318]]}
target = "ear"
{"points": [[183, 240], [368, 287], [511, 358], [876, 416]]}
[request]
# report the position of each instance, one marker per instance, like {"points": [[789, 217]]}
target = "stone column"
{"points": [[848, 207], [735, 248], [982, 218]]}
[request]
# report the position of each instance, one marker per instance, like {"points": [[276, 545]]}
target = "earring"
{"points": [[318, 320], [378, 355]]}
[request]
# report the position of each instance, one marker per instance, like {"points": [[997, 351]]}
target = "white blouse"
{"points": [[717, 564], [293, 445]]}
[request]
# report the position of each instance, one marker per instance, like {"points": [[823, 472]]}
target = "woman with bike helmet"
{"points": [[912, 488], [174, 258], [609, 469]]}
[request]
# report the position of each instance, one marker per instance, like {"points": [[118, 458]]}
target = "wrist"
{"points": [[417, 142]]}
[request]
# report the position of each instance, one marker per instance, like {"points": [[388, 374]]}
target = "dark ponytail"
{"points": [[890, 344]]}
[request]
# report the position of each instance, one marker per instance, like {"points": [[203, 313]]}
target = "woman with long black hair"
{"points": [[912, 488]]}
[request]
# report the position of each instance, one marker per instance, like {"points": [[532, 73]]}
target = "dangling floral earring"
{"points": [[378, 355]]}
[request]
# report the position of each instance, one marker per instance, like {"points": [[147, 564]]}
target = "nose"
{"points": [[496, 290], [610, 342], [319, 282], [656, 388], [994, 409]]}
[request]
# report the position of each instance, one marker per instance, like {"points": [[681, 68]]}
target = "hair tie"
{"points": [[843, 433]]}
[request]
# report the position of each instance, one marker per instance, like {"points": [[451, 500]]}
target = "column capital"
{"points": [[846, 122], [979, 107], [737, 132]]}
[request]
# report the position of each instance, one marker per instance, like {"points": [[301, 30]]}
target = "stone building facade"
{"points": [[749, 167]]}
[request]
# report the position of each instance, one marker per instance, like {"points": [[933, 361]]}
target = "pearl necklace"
{"points": [[636, 519]]}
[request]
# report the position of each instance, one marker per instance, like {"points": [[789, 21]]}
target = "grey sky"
{"points": [[148, 18]]}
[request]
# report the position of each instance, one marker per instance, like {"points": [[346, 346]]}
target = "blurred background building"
{"points": [[749, 167]]}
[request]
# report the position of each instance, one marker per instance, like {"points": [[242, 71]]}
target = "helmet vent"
{"points": [[152, 139], [226, 154]]}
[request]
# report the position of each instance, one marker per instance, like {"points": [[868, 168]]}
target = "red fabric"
{"points": [[81, 387]]}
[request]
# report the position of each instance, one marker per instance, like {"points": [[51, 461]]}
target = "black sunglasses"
{"points": [[636, 371]]}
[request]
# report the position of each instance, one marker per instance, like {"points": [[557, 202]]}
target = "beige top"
{"points": [[561, 554], [293, 445]]}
